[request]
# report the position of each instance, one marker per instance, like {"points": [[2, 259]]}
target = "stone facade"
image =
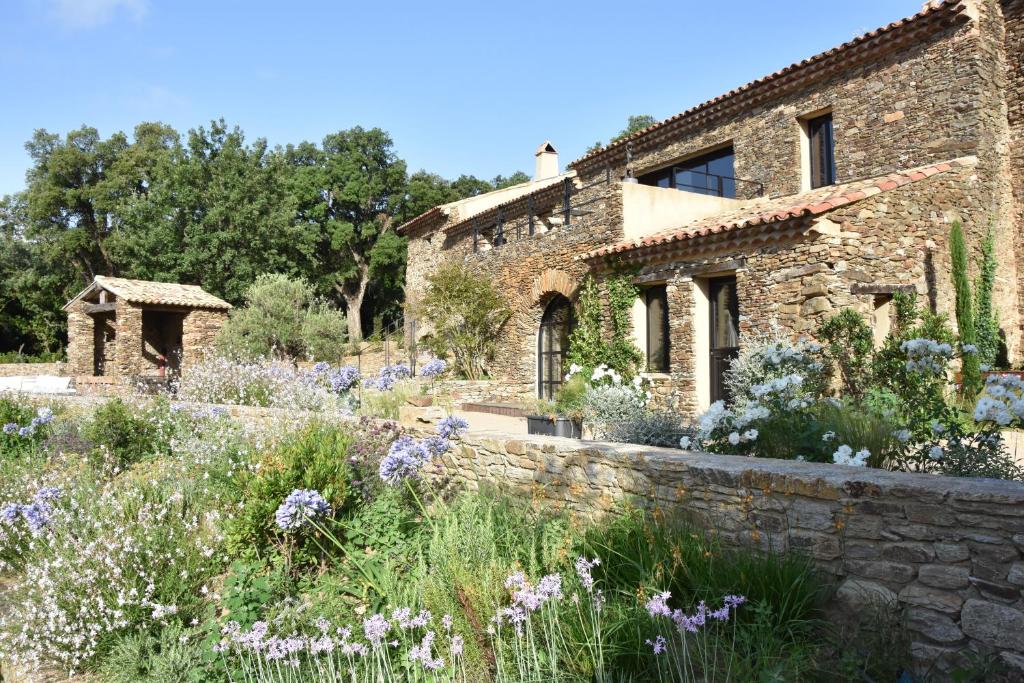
{"points": [[928, 128], [948, 552]]}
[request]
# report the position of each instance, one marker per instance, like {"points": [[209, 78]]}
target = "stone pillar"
{"points": [[80, 343], [128, 360], [198, 331]]}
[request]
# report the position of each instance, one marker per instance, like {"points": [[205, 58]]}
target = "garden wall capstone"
{"points": [[946, 550]]}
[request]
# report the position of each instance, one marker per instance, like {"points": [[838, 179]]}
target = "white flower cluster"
{"points": [[1002, 401], [782, 354], [787, 390], [602, 371], [844, 455], [926, 355]]}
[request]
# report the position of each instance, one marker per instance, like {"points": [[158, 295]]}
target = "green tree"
{"points": [[970, 370], [849, 344], [986, 323], [351, 189], [466, 314], [634, 124], [282, 318]]}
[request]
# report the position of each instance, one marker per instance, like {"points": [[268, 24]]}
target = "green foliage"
{"points": [[849, 343], [588, 347], [634, 124], [970, 371], [986, 321], [170, 655], [385, 405], [569, 400], [282, 318], [122, 436], [466, 313], [914, 397], [312, 458]]}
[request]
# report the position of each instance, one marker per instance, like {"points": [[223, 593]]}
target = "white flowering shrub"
{"points": [[269, 384], [773, 357]]}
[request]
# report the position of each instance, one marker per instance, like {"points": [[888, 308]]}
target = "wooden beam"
{"points": [[100, 308]]}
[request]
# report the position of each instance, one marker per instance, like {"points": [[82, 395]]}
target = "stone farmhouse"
{"points": [[832, 183]]}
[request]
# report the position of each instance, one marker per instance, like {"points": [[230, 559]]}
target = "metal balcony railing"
{"points": [[712, 184]]}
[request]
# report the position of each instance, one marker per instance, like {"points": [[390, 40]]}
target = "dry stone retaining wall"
{"points": [[947, 551]]}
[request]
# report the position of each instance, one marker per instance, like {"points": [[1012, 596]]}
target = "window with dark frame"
{"points": [[823, 151], [711, 174], [657, 328]]}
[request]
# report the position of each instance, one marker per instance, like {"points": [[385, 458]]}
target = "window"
{"points": [[552, 344], [711, 174], [725, 332], [657, 328], [821, 143]]}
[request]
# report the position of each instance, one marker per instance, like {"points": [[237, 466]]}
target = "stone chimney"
{"points": [[547, 162]]}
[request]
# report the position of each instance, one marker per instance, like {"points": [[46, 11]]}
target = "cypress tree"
{"points": [[970, 370], [985, 323]]}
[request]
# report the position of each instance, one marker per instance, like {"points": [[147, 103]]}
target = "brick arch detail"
{"points": [[553, 281]]}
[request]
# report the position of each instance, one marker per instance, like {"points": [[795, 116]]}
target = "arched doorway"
{"points": [[552, 345]]}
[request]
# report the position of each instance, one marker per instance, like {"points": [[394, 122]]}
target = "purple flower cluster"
{"points": [[583, 570], [301, 507], [434, 368], [44, 416], [404, 460], [407, 455], [37, 513], [389, 376], [657, 606], [452, 427], [343, 379]]}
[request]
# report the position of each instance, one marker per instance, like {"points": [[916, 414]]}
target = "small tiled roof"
{"points": [[864, 47], [153, 293], [766, 212]]}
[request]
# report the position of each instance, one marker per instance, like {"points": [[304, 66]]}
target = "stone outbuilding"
{"points": [[130, 329]]}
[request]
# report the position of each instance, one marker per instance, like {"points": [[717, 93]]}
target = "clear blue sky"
{"points": [[463, 87]]}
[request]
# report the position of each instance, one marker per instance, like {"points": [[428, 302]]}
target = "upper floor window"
{"points": [[711, 174], [822, 148]]}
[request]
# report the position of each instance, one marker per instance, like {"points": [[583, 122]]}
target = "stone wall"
{"points": [[947, 551], [1013, 17], [199, 330], [58, 369], [80, 343]]}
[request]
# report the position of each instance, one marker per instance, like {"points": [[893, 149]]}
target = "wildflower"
{"points": [[684, 443], [301, 507], [734, 438], [828, 436], [969, 348], [750, 435], [734, 600], [937, 427], [657, 606], [343, 379], [435, 367], [550, 586], [844, 455], [446, 621], [583, 569], [404, 460], [902, 435], [457, 645], [452, 427], [389, 377], [657, 645], [935, 452], [10, 427], [375, 628], [9, 513]]}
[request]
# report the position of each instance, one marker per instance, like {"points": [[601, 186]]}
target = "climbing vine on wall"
{"points": [[588, 346]]}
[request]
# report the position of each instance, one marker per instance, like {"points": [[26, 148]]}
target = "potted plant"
{"points": [[563, 416]]}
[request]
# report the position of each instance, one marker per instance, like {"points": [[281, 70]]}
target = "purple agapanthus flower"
{"points": [[343, 379], [301, 507], [404, 460], [10, 427], [389, 377], [375, 628], [9, 513], [47, 494], [37, 516], [435, 367], [657, 606], [452, 427], [27, 431], [657, 645]]}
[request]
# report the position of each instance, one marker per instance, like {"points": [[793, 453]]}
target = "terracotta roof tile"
{"points": [[770, 211], [154, 293]]}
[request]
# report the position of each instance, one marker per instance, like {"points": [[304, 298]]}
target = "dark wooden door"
{"points": [[725, 333]]}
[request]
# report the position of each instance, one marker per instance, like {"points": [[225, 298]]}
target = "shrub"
{"points": [[466, 314], [849, 344], [772, 356], [121, 436], [986, 322], [313, 458], [283, 319]]}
